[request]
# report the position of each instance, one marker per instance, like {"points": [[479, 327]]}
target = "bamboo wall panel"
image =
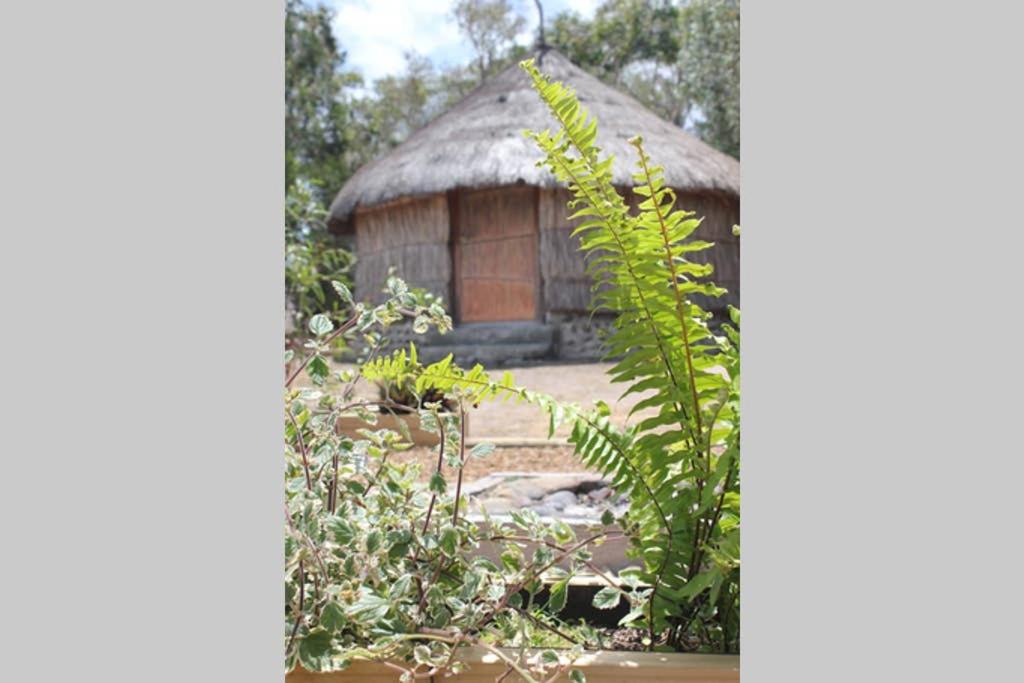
{"points": [[562, 265], [410, 235]]}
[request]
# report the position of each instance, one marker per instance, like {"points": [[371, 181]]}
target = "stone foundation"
{"points": [[579, 336]]}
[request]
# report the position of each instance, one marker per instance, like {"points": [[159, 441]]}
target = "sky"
{"points": [[376, 33]]}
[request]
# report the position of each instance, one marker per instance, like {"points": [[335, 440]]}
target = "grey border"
{"points": [[143, 291], [142, 149], [881, 144]]}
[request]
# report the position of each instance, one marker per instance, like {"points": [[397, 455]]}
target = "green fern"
{"points": [[680, 465]]}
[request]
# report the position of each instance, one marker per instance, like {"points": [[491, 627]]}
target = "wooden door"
{"points": [[496, 254]]}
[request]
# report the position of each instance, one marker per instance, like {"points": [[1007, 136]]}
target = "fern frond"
{"points": [[679, 465]]}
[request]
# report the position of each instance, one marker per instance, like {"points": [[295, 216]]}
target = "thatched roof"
{"points": [[479, 143]]}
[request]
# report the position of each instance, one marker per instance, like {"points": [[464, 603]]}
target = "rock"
{"points": [[601, 493], [525, 489], [499, 505], [581, 512], [545, 510], [559, 499]]}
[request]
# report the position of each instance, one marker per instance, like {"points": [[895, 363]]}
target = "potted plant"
{"points": [[400, 402], [384, 580]]}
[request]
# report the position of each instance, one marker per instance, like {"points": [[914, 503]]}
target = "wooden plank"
{"points": [[599, 667], [496, 247]]}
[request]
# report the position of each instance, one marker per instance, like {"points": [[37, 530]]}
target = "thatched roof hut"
{"points": [[461, 207]]}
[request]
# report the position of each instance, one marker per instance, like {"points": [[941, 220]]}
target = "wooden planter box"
{"points": [[600, 667], [349, 425], [609, 556]]}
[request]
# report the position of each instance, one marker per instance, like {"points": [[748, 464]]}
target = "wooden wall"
{"points": [[413, 235], [409, 234], [566, 287]]}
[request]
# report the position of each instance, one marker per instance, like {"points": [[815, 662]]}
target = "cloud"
{"points": [[377, 33]]}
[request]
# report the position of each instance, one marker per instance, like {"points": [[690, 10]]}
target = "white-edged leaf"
{"points": [[320, 325], [607, 598], [482, 450]]}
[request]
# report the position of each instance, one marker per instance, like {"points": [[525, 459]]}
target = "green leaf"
{"points": [[332, 617], [400, 587], [633, 615], [320, 325], [421, 654], [373, 540], [449, 541], [577, 676], [342, 531], [315, 650], [607, 598], [482, 450], [368, 609], [607, 518], [558, 596], [318, 369], [342, 291], [549, 657], [438, 484]]}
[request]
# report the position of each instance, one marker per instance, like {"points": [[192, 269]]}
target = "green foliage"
{"points": [[317, 111], [681, 59], [400, 104], [318, 141], [313, 261], [679, 467], [491, 27], [710, 63], [379, 564]]}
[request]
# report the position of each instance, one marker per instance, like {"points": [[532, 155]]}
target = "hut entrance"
{"points": [[495, 254]]}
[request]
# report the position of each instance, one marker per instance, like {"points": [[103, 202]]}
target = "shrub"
{"points": [[383, 566]]}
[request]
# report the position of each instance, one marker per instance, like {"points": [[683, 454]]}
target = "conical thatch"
{"points": [[479, 143]]}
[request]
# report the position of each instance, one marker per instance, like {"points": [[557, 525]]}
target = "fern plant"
{"points": [[680, 466]]}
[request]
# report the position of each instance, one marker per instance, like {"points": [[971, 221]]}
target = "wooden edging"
{"points": [[602, 666], [349, 425], [518, 442]]}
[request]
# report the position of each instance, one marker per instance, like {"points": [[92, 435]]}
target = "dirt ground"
{"points": [[581, 383], [504, 459], [577, 383]]}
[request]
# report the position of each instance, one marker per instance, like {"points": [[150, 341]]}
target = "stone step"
{"points": [[478, 334], [489, 355], [492, 344]]}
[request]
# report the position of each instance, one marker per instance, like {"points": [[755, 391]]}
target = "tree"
{"points": [[622, 32], [318, 137], [398, 106], [317, 112], [491, 26], [680, 59], [710, 60]]}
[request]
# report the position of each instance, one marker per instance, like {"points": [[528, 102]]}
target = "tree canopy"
{"points": [[681, 59]]}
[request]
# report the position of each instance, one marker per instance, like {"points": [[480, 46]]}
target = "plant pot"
{"points": [[349, 425], [602, 666]]}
